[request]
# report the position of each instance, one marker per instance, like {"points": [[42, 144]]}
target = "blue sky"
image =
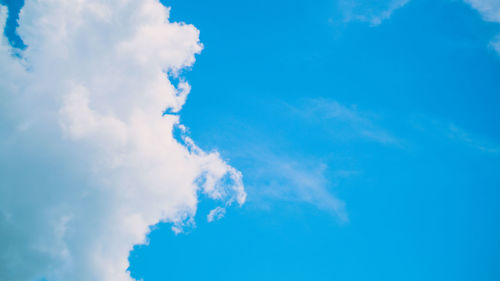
{"points": [[368, 139], [423, 206]]}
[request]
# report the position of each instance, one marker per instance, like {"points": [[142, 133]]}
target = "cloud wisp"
{"points": [[490, 11], [289, 177], [286, 178], [373, 12], [88, 161], [343, 121], [454, 133]]}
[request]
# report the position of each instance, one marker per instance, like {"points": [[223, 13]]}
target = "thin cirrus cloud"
{"points": [[89, 162], [281, 177], [343, 121], [289, 177], [375, 12], [451, 132], [490, 11], [295, 181], [454, 132], [279, 174]]}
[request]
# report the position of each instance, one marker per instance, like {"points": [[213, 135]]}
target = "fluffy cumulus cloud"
{"points": [[89, 162]]}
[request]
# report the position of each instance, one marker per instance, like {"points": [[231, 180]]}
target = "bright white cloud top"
{"points": [[88, 161]]}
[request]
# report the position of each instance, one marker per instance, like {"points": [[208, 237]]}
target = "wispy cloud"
{"points": [[216, 214], [274, 171], [288, 176], [293, 179], [344, 121], [455, 133], [373, 12], [490, 11], [478, 142]]}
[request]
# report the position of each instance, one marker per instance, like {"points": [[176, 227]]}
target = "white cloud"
{"points": [[455, 133], [345, 121], [287, 179], [88, 163], [496, 45], [216, 214], [490, 11], [3, 17], [373, 12], [288, 176], [278, 176], [478, 142]]}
